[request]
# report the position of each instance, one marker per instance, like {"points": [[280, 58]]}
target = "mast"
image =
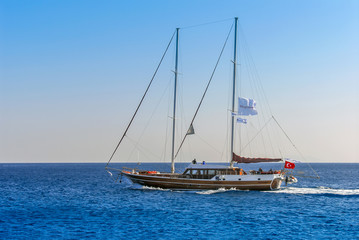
{"points": [[234, 86], [174, 108]]}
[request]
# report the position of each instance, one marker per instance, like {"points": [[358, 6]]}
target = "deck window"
{"points": [[211, 172]]}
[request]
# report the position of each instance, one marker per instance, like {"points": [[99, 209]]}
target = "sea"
{"points": [[83, 201]]}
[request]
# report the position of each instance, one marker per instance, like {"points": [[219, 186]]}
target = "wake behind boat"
{"points": [[202, 175]]}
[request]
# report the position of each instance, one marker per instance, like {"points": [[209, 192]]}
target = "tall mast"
{"points": [[174, 108], [234, 85]]}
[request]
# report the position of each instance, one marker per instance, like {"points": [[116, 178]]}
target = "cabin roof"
{"points": [[208, 166]]}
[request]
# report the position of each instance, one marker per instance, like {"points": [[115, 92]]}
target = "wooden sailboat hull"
{"points": [[175, 183]]}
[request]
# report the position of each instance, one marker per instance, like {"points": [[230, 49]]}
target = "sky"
{"points": [[72, 72]]}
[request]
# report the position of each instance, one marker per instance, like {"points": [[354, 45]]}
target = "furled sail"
{"points": [[240, 159], [246, 107]]}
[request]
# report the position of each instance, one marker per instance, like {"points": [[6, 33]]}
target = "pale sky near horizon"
{"points": [[72, 72]]}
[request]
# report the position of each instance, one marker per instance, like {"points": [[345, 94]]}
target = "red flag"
{"points": [[289, 165]]}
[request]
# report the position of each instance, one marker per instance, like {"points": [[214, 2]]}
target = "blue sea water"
{"points": [[78, 201]]}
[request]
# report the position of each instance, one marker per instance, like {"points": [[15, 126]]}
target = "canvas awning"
{"points": [[240, 159]]}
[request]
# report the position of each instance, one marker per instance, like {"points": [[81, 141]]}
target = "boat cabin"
{"points": [[197, 171]]}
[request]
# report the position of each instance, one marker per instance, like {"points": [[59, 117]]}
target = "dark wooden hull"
{"points": [[176, 183]]}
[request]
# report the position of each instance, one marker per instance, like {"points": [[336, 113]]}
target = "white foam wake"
{"points": [[318, 190], [220, 190], [286, 190], [154, 188]]}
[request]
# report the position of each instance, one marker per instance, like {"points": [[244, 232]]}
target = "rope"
{"points": [[205, 91], [256, 87], [150, 119], [202, 24], [142, 148], [213, 148], [167, 126], [143, 97], [296, 147], [256, 134]]}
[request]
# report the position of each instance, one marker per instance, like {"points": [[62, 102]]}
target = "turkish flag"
{"points": [[289, 165]]}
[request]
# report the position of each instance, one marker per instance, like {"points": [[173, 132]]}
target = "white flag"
{"points": [[246, 107], [241, 120]]}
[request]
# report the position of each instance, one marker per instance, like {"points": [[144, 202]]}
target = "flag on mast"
{"points": [[246, 106], [289, 165], [242, 120], [190, 130]]}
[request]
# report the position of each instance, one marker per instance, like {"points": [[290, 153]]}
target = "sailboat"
{"points": [[203, 176]]}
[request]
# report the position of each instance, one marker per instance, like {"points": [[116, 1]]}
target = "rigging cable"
{"points": [[296, 147], [166, 139], [150, 119], [202, 24], [256, 135], [257, 87], [211, 146], [142, 148], [143, 97], [205, 91]]}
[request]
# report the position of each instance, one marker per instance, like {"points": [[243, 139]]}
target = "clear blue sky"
{"points": [[71, 72]]}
